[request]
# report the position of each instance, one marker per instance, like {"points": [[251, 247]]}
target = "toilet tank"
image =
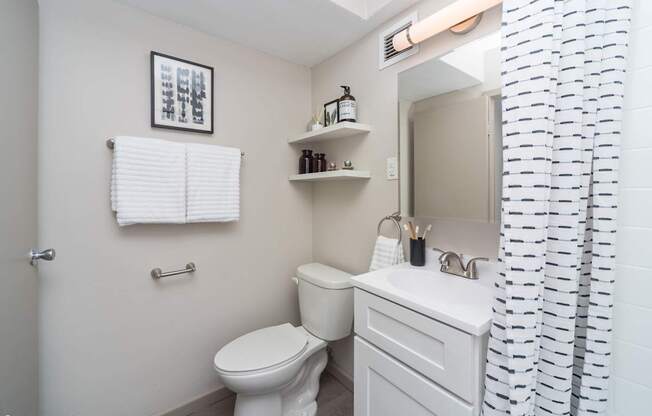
{"points": [[325, 301]]}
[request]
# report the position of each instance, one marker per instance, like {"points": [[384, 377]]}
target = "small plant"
{"points": [[316, 117]]}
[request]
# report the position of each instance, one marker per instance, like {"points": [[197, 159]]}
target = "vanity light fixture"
{"points": [[463, 15]]}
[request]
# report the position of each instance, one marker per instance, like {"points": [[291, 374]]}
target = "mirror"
{"points": [[450, 139]]}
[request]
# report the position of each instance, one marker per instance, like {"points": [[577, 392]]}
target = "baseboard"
{"points": [[206, 400], [200, 402], [340, 375]]}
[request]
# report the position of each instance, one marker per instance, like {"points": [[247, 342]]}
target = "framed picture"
{"points": [[181, 94], [331, 113]]}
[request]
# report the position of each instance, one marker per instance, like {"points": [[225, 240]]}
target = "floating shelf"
{"points": [[337, 131], [333, 175]]}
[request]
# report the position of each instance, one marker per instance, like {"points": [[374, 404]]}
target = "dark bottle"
{"points": [[324, 163], [310, 167], [305, 161], [317, 162], [347, 106]]}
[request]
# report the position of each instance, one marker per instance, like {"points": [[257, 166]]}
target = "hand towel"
{"points": [[213, 181], [148, 183], [387, 252]]}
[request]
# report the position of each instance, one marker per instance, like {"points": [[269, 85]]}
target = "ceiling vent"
{"points": [[387, 55]]}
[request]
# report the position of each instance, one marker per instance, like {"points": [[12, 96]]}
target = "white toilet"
{"points": [[275, 370]]}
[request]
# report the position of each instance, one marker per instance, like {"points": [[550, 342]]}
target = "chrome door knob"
{"points": [[47, 255]]}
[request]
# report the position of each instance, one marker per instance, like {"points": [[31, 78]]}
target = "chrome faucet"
{"points": [[452, 263]]}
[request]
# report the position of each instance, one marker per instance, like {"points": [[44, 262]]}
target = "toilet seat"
{"points": [[262, 349]]}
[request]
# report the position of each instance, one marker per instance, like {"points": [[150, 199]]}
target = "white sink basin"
{"points": [[425, 283], [462, 303]]}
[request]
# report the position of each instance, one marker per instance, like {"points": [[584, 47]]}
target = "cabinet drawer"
{"points": [[438, 351], [386, 387]]}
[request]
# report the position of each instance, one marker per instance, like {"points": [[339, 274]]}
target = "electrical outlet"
{"points": [[392, 169]]}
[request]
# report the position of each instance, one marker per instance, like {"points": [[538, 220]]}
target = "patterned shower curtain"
{"points": [[563, 68]]}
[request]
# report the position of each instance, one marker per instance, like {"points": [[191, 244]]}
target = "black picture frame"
{"points": [[337, 111], [173, 124]]}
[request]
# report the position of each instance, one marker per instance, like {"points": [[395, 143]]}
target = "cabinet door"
{"points": [[386, 387], [440, 352]]}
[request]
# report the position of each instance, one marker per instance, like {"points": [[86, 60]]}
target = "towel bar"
{"points": [[396, 219], [110, 143], [158, 273]]}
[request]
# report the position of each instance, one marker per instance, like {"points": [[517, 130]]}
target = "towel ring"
{"points": [[396, 219]]}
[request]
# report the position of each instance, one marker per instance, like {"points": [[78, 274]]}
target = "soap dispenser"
{"points": [[347, 105]]}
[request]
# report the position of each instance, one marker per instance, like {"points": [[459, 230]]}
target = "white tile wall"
{"points": [[631, 392], [636, 126]]}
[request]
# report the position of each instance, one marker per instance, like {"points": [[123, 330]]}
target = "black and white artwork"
{"points": [[331, 113], [182, 94]]}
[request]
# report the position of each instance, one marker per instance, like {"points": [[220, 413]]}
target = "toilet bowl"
{"points": [[265, 387], [275, 370]]}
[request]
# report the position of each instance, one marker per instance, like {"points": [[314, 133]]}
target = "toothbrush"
{"points": [[412, 232], [425, 233], [408, 228]]}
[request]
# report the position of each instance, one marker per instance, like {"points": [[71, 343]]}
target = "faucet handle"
{"points": [[470, 271]]}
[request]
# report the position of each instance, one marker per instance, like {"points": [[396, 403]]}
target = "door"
{"points": [[18, 161]]}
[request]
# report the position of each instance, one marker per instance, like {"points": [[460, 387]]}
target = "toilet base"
{"points": [[297, 398], [259, 404]]}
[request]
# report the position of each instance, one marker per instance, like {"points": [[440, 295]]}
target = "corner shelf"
{"points": [[337, 131], [334, 175]]}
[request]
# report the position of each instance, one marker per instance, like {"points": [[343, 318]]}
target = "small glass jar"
{"points": [[324, 163]]}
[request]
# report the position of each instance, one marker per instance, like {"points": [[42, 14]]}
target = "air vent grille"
{"points": [[387, 54]]}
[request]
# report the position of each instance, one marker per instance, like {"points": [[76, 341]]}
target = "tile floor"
{"points": [[333, 400]]}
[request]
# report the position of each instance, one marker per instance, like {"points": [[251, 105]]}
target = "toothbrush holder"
{"points": [[418, 252]]}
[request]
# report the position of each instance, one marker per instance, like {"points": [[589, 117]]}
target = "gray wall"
{"points": [[18, 284], [345, 214], [113, 341], [451, 153]]}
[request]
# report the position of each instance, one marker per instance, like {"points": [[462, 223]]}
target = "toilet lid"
{"points": [[261, 349], [324, 276]]}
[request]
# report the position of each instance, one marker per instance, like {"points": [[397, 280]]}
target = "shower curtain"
{"points": [[563, 68]]}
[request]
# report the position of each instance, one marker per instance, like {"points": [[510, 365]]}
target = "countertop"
{"points": [[459, 302]]}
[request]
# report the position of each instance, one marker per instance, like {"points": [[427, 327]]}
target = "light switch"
{"points": [[392, 168]]}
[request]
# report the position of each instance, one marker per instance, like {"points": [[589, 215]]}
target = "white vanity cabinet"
{"points": [[407, 363]]}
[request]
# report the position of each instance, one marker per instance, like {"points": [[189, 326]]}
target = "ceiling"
{"points": [[305, 32]]}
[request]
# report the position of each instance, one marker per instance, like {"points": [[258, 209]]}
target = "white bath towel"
{"points": [[213, 181], [148, 183], [387, 252]]}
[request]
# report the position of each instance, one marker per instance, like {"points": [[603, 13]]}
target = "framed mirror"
{"points": [[450, 138]]}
